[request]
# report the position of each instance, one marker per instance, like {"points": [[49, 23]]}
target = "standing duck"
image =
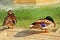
{"points": [[10, 20]]}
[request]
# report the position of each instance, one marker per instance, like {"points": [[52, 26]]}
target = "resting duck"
{"points": [[43, 24]]}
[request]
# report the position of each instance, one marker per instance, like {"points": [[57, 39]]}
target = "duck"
{"points": [[45, 24]]}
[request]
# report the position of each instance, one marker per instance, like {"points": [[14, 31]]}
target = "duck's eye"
{"points": [[47, 21]]}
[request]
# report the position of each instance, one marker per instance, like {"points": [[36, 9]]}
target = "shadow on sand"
{"points": [[2, 29], [27, 33]]}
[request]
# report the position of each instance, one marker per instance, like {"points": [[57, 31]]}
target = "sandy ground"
{"points": [[27, 34]]}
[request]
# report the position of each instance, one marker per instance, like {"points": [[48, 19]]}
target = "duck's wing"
{"points": [[5, 20]]}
